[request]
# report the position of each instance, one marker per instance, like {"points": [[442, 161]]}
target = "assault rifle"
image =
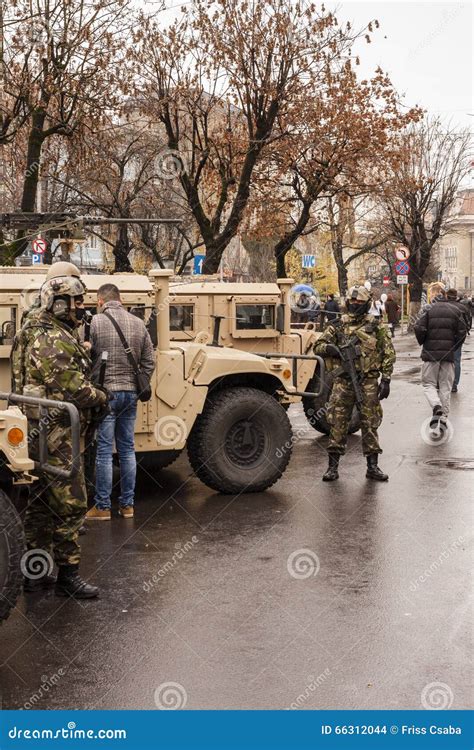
{"points": [[98, 413], [350, 353]]}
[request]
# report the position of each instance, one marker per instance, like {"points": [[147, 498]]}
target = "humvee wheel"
{"points": [[12, 547], [241, 442], [151, 461], [315, 407]]}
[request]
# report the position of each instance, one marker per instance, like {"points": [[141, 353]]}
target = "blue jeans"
{"points": [[118, 425], [457, 365]]}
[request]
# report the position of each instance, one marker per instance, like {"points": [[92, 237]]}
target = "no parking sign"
{"points": [[39, 246]]}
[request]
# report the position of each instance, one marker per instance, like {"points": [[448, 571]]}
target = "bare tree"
{"points": [[61, 77], [218, 82], [419, 191]]}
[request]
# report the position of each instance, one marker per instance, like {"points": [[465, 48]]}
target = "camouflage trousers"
{"points": [[341, 404], [57, 507]]}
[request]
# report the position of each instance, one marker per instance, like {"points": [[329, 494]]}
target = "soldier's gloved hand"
{"points": [[332, 351], [102, 409], [384, 389]]}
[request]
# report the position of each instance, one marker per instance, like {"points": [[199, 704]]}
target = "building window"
{"points": [[466, 282]]}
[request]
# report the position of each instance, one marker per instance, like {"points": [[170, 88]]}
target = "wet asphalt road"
{"points": [[385, 616]]}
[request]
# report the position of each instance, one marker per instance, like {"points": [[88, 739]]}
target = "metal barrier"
{"points": [[45, 405], [295, 358]]}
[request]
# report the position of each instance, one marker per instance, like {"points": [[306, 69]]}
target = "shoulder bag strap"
{"points": [[124, 341]]}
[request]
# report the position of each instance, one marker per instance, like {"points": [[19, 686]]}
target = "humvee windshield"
{"points": [[181, 317], [255, 317]]}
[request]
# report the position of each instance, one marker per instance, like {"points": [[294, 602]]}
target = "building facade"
{"points": [[454, 251]]}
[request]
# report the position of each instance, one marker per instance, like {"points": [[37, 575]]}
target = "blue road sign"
{"points": [[308, 261], [198, 261], [36, 258], [402, 267]]}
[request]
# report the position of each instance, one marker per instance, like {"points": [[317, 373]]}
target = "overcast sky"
{"points": [[425, 47]]}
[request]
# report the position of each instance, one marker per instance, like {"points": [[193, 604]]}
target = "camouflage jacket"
{"points": [[48, 356], [377, 352]]}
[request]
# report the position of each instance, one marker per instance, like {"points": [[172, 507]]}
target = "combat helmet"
{"points": [[62, 268], [358, 294], [60, 287]]}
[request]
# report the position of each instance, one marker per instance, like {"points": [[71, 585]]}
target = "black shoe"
{"points": [[437, 413], [373, 471], [331, 472], [82, 530], [454, 389], [31, 585], [70, 583]]}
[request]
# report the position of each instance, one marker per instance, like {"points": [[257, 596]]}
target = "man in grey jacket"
{"points": [[120, 380]]}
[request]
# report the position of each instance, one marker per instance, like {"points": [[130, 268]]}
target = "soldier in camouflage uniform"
{"points": [[48, 360], [377, 357]]}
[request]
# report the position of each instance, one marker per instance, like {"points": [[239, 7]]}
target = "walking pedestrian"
{"points": [[121, 381], [376, 309], [375, 357], [331, 308], [441, 329], [392, 311], [454, 298], [49, 361]]}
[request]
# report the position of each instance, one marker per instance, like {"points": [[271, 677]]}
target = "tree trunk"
{"points": [[342, 279], [416, 289], [33, 158], [280, 265], [213, 258], [30, 186], [121, 251]]}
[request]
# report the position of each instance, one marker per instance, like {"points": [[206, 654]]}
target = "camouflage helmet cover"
{"points": [[359, 294], [62, 268], [61, 286]]}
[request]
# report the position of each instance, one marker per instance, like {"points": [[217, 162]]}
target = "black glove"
{"points": [[384, 389], [332, 351], [100, 411]]}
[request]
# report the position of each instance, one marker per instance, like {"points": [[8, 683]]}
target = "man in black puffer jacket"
{"points": [[441, 329]]}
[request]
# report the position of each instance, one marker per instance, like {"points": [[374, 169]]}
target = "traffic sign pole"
{"points": [[403, 297]]}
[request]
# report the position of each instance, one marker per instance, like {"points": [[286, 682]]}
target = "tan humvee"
{"points": [[256, 318], [224, 404]]}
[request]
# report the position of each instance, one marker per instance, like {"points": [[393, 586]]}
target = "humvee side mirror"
{"points": [[280, 318]]}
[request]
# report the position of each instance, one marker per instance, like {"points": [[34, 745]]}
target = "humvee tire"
{"points": [[151, 461], [12, 547], [315, 407], [241, 442]]}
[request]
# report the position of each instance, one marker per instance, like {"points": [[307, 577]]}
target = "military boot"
{"points": [[332, 472], [373, 471], [70, 583]]}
